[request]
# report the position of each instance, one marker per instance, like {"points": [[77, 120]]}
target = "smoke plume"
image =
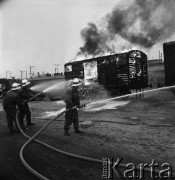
{"points": [[143, 22], [95, 40]]}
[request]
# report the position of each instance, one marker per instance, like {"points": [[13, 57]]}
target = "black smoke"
{"points": [[143, 22], [94, 40], [2, 1]]}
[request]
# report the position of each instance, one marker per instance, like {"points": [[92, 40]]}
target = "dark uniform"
{"points": [[72, 99], [9, 104], [4, 92], [25, 110]]}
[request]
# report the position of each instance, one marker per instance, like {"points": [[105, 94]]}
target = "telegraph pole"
{"points": [[56, 69], [21, 73], [31, 70], [8, 72]]}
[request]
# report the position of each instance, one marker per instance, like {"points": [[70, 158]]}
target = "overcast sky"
{"points": [[42, 33]]}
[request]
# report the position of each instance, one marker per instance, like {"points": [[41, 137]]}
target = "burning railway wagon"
{"points": [[118, 73], [169, 62]]}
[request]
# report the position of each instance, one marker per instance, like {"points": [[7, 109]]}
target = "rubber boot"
{"points": [[12, 131], [66, 133], [30, 124], [78, 131]]}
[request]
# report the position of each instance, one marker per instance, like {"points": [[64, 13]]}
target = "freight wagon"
{"points": [[118, 73], [169, 62]]}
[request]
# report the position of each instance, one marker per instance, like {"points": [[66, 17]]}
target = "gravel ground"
{"points": [[137, 130]]}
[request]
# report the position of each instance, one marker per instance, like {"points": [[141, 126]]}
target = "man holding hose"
{"points": [[72, 100], [25, 110], [10, 103]]}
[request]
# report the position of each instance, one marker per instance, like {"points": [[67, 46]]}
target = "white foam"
{"points": [[59, 102], [52, 113], [106, 105]]}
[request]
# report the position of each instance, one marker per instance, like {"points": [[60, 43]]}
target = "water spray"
{"points": [[60, 86], [126, 95]]}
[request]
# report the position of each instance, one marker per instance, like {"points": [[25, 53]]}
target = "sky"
{"points": [[45, 33]]}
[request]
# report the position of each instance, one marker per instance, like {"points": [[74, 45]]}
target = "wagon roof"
{"points": [[169, 43], [98, 58]]}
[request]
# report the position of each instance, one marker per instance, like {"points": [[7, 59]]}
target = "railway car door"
{"points": [[111, 73], [138, 69], [101, 67], [122, 71], [90, 71], [78, 70], [68, 72]]}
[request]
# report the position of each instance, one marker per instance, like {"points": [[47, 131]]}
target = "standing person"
{"points": [[25, 110], [4, 91], [10, 102], [72, 99]]}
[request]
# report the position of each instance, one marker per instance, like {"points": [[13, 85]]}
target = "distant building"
{"points": [[155, 62]]}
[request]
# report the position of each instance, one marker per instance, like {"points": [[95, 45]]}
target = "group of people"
{"points": [[18, 96]]}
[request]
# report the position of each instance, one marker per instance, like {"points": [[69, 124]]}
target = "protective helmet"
{"points": [[15, 86], [25, 82], [76, 82]]}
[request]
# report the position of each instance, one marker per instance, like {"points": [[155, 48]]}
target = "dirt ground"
{"points": [[135, 129]]}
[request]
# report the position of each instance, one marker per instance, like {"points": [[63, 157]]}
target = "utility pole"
{"points": [[21, 73], [56, 69], [8, 72], [31, 70]]}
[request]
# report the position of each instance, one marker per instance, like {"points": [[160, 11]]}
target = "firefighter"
{"points": [[4, 91], [72, 99], [10, 102], [25, 110]]}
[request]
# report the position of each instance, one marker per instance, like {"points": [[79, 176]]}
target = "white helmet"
{"points": [[76, 82], [25, 82], [15, 86]]}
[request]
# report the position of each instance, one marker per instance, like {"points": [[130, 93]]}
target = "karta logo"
{"points": [[133, 171]]}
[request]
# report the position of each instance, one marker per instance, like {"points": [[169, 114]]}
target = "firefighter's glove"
{"points": [[83, 105]]}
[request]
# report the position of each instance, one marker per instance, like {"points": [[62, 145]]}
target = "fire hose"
{"points": [[30, 139], [38, 94], [33, 138]]}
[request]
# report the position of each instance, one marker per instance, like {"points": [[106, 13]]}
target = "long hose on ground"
{"points": [[40, 176]]}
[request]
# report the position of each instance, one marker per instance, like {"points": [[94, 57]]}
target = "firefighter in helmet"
{"points": [[10, 103], [25, 110], [72, 100]]}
